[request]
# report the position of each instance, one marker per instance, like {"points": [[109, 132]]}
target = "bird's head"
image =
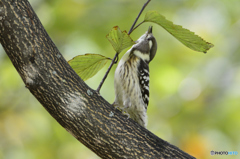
{"points": [[146, 46]]}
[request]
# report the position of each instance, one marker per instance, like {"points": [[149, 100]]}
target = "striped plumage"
{"points": [[131, 80]]}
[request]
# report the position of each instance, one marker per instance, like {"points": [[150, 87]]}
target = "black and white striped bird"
{"points": [[131, 80]]}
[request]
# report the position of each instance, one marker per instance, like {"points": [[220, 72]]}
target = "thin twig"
{"points": [[144, 6], [106, 74], [116, 55]]}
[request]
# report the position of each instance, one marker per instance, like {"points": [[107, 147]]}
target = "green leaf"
{"points": [[185, 36], [119, 39], [86, 66]]}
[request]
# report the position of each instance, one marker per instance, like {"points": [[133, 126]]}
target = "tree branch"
{"points": [[78, 108]]}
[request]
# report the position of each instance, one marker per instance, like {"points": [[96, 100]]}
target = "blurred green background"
{"points": [[194, 97]]}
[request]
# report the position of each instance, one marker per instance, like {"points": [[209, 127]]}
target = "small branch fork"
{"points": [[115, 59], [139, 14]]}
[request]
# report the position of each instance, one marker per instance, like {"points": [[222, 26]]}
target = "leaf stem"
{"points": [[116, 55], [137, 26]]}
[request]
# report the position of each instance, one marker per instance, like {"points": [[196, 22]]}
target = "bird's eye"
{"points": [[149, 39]]}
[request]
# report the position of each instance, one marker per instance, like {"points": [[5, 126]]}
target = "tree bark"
{"points": [[77, 107]]}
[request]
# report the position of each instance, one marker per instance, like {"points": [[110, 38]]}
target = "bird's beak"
{"points": [[149, 30]]}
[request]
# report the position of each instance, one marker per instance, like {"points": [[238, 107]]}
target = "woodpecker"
{"points": [[131, 79]]}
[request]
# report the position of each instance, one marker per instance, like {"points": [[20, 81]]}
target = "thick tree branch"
{"points": [[78, 108]]}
